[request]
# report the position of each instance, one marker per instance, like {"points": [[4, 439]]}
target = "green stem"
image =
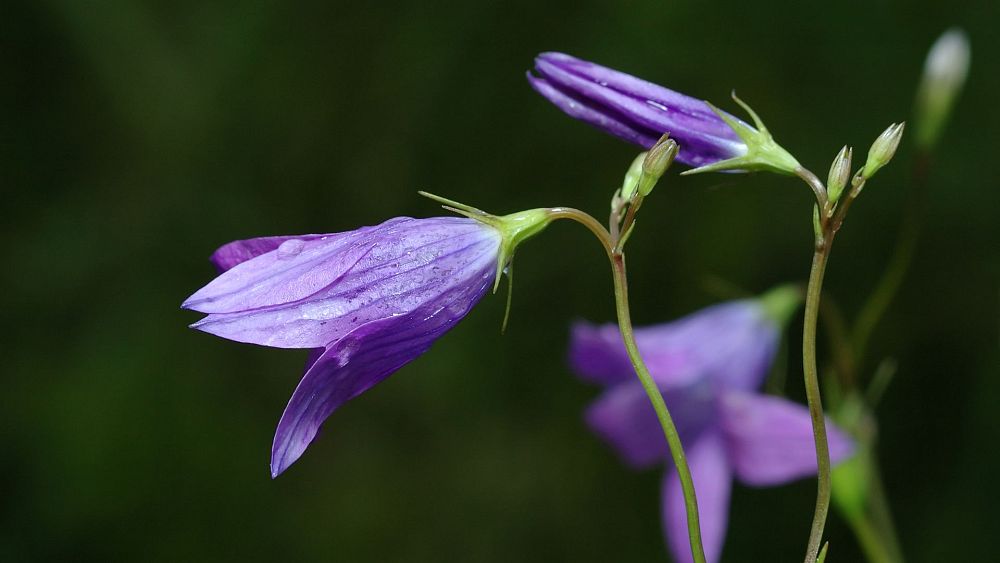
{"points": [[813, 293], [617, 259], [653, 392]]}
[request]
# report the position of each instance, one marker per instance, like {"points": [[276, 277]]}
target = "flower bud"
{"points": [[883, 149], [631, 182], [945, 71], [840, 173], [633, 109], [657, 160]]}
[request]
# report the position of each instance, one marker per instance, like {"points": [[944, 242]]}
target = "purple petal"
{"points": [[239, 251], [361, 359], [294, 270], [770, 439], [624, 418], [325, 292], [713, 480], [639, 105], [732, 343], [593, 114]]}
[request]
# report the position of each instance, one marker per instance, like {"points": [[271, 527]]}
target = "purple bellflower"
{"points": [[640, 112], [366, 302], [708, 366]]}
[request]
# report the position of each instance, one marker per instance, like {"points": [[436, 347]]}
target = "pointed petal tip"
{"points": [[276, 470], [282, 457]]}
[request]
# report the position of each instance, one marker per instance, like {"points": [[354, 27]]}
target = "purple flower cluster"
{"points": [[708, 366]]}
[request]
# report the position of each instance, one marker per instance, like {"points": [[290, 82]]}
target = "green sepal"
{"points": [[763, 153], [514, 228]]}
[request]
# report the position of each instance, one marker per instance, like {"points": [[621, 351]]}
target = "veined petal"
{"points": [[770, 439], [713, 482], [624, 418], [732, 343], [594, 114], [294, 270], [387, 272], [637, 87], [239, 251], [360, 360], [703, 136]]}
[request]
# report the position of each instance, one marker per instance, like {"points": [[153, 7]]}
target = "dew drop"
{"points": [[290, 249]]}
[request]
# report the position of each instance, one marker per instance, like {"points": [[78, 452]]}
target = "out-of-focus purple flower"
{"points": [[366, 301], [635, 110], [707, 366]]}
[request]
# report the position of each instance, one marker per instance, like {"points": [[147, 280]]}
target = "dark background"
{"points": [[135, 137]]}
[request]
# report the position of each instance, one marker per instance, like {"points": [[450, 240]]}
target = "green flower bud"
{"points": [[883, 149], [945, 71], [657, 160], [632, 177], [840, 173]]}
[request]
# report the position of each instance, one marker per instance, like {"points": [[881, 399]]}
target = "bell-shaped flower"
{"points": [[640, 112], [708, 366], [366, 302]]}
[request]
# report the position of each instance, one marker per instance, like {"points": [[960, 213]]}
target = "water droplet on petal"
{"points": [[290, 249]]}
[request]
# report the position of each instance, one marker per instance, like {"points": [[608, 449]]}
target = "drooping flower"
{"points": [[640, 112], [708, 366], [366, 302]]}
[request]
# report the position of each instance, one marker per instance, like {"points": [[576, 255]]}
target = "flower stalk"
{"points": [[810, 373], [613, 247]]}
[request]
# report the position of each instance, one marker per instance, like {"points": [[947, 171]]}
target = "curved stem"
{"points": [[653, 392], [810, 373], [819, 190], [617, 259]]}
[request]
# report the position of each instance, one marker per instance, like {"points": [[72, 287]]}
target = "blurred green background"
{"points": [[138, 136]]}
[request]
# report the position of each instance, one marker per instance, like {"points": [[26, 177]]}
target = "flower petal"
{"points": [[388, 272], [594, 114], [771, 441], [732, 343], [360, 360], [624, 418], [294, 270], [713, 481], [239, 251]]}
